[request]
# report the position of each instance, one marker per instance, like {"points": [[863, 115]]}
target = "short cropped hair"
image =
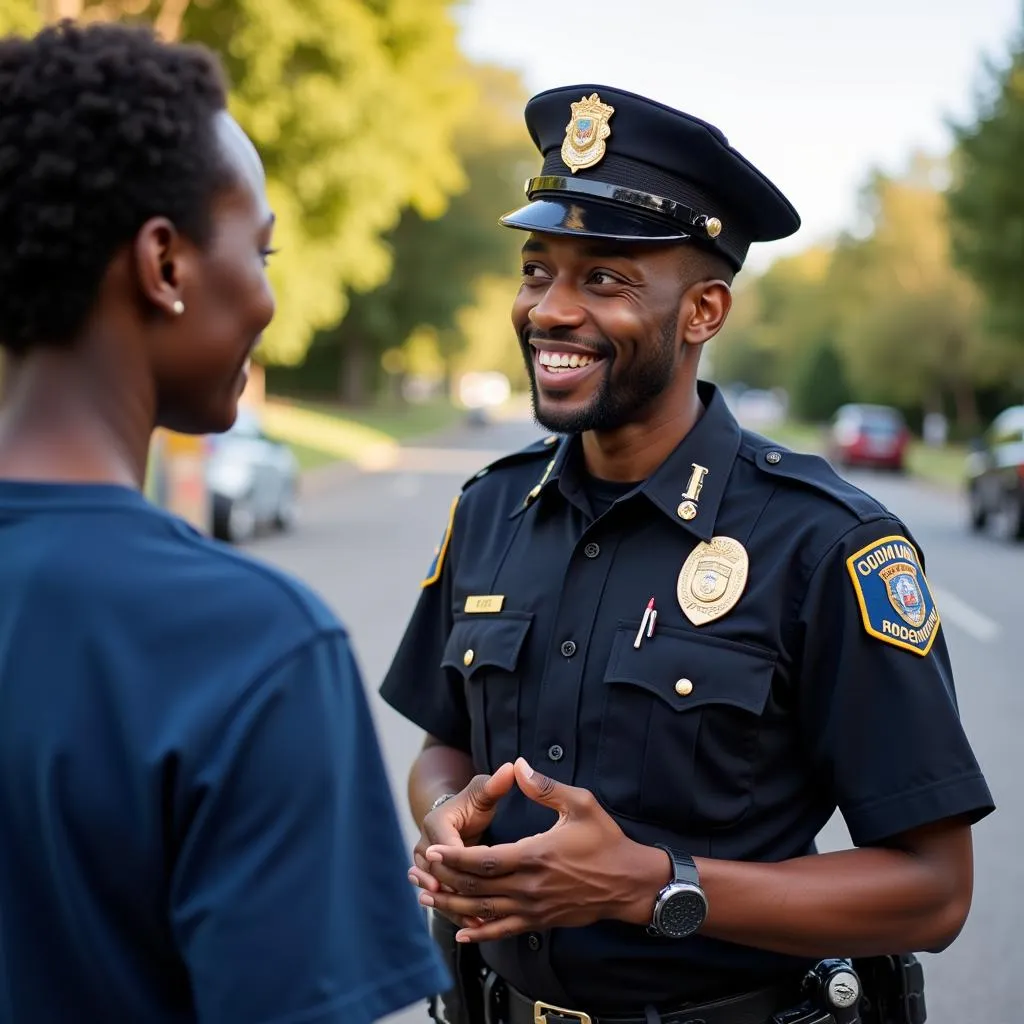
{"points": [[702, 264], [101, 128]]}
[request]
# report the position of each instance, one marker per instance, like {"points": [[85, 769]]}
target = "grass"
{"points": [[320, 433], [310, 458], [399, 422], [943, 466]]}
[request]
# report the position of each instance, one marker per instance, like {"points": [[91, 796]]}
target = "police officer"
{"points": [[655, 652]]}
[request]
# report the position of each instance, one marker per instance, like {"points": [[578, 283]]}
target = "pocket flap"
{"points": [[687, 671], [480, 641]]}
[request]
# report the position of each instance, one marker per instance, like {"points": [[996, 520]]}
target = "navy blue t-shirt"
{"points": [[195, 821]]}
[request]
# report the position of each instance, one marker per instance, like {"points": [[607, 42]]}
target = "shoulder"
{"points": [[495, 490], [505, 482], [263, 594], [832, 521], [516, 466], [174, 583], [809, 479]]}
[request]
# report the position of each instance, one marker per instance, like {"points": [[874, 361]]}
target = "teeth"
{"points": [[566, 360]]}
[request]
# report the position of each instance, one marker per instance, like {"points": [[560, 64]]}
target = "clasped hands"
{"points": [[581, 870]]}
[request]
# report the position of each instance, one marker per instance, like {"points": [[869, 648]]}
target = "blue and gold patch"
{"points": [[895, 603], [437, 564]]}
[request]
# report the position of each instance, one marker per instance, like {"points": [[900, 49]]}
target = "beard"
{"points": [[614, 404]]}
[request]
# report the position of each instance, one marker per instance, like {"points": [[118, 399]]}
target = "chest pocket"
{"points": [[485, 651], [680, 727]]}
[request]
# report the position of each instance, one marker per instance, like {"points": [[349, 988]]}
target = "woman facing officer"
{"points": [[184, 737]]}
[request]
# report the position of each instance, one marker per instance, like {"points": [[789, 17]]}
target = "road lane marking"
{"points": [[962, 615]]}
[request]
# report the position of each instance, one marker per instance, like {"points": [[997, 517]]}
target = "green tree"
{"points": [[987, 201], [437, 261], [485, 326], [775, 318], [819, 383], [911, 332], [352, 104]]}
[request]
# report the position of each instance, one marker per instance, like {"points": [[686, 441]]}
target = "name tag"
{"points": [[484, 603]]}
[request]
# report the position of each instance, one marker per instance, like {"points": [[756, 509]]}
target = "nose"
{"points": [[558, 307]]}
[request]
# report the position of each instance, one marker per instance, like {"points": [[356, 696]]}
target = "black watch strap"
{"points": [[683, 867]]}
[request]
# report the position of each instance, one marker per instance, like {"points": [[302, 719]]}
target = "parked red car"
{"points": [[868, 435]]}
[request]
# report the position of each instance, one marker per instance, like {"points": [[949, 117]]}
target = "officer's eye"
{"points": [[532, 270], [600, 277]]}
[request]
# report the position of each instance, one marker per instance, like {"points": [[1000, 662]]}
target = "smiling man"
{"points": [[655, 653]]}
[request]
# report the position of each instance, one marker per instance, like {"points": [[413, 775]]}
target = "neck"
{"points": [[633, 452], [70, 417]]}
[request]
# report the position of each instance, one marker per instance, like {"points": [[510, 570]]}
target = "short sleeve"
{"points": [[416, 685], [290, 900], [876, 692]]}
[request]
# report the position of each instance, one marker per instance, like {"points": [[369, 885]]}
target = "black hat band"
{"points": [[684, 215]]}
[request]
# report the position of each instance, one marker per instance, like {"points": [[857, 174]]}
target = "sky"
{"points": [[814, 92]]}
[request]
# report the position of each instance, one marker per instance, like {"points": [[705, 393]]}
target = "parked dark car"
{"points": [[253, 480], [868, 435], [995, 476]]}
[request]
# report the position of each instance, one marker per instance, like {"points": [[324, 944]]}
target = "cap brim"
{"points": [[556, 216]]}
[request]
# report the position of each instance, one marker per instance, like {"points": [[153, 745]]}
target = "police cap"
{"points": [[623, 167]]}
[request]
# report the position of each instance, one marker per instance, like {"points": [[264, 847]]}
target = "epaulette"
{"points": [[532, 451], [815, 472], [544, 446]]}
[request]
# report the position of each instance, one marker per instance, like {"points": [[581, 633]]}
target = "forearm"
{"points": [[864, 902], [438, 770]]}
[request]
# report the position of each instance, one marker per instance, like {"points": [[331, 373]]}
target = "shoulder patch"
{"points": [[437, 564], [815, 472], [532, 451], [896, 605]]}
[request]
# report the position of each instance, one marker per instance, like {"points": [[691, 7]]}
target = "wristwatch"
{"points": [[681, 906]]}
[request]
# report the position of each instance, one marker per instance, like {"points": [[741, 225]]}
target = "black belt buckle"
{"points": [[542, 1009]]}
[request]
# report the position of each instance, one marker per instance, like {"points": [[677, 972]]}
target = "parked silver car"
{"points": [[253, 480]]}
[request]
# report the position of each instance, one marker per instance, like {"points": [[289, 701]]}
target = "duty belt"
{"points": [[509, 1006]]}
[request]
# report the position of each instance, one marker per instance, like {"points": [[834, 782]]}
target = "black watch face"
{"points": [[682, 913]]}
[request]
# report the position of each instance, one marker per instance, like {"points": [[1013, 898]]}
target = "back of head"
{"points": [[101, 128]]}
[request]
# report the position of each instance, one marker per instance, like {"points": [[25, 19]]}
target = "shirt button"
{"points": [[467, 658], [773, 458], [684, 687], [555, 752], [592, 550], [568, 649], [533, 942]]}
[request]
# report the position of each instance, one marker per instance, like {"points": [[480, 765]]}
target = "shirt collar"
{"points": [[688, 486]]}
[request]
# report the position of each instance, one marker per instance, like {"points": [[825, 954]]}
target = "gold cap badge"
{"points": [[585, 133]]}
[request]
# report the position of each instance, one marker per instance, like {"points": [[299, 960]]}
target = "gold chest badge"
{"points": [[585, 133], [712, 579]]}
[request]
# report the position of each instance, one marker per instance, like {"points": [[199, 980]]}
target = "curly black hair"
{"points": [[101, 127]]}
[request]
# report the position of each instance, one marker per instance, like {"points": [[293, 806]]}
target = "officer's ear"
{"points": [[703, 310]]}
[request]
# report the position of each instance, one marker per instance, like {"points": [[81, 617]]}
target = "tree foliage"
{"points": [[883, 316], [439, 263], [352, 104], [987, 197]]}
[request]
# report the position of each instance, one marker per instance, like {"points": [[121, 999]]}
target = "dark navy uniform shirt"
{"points": [[797, 664], [195, 823]]}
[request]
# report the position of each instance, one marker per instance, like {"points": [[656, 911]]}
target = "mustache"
{"points": [[599, 346]]}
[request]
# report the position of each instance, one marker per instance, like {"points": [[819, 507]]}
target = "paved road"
{"points": [[365, 539]]}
